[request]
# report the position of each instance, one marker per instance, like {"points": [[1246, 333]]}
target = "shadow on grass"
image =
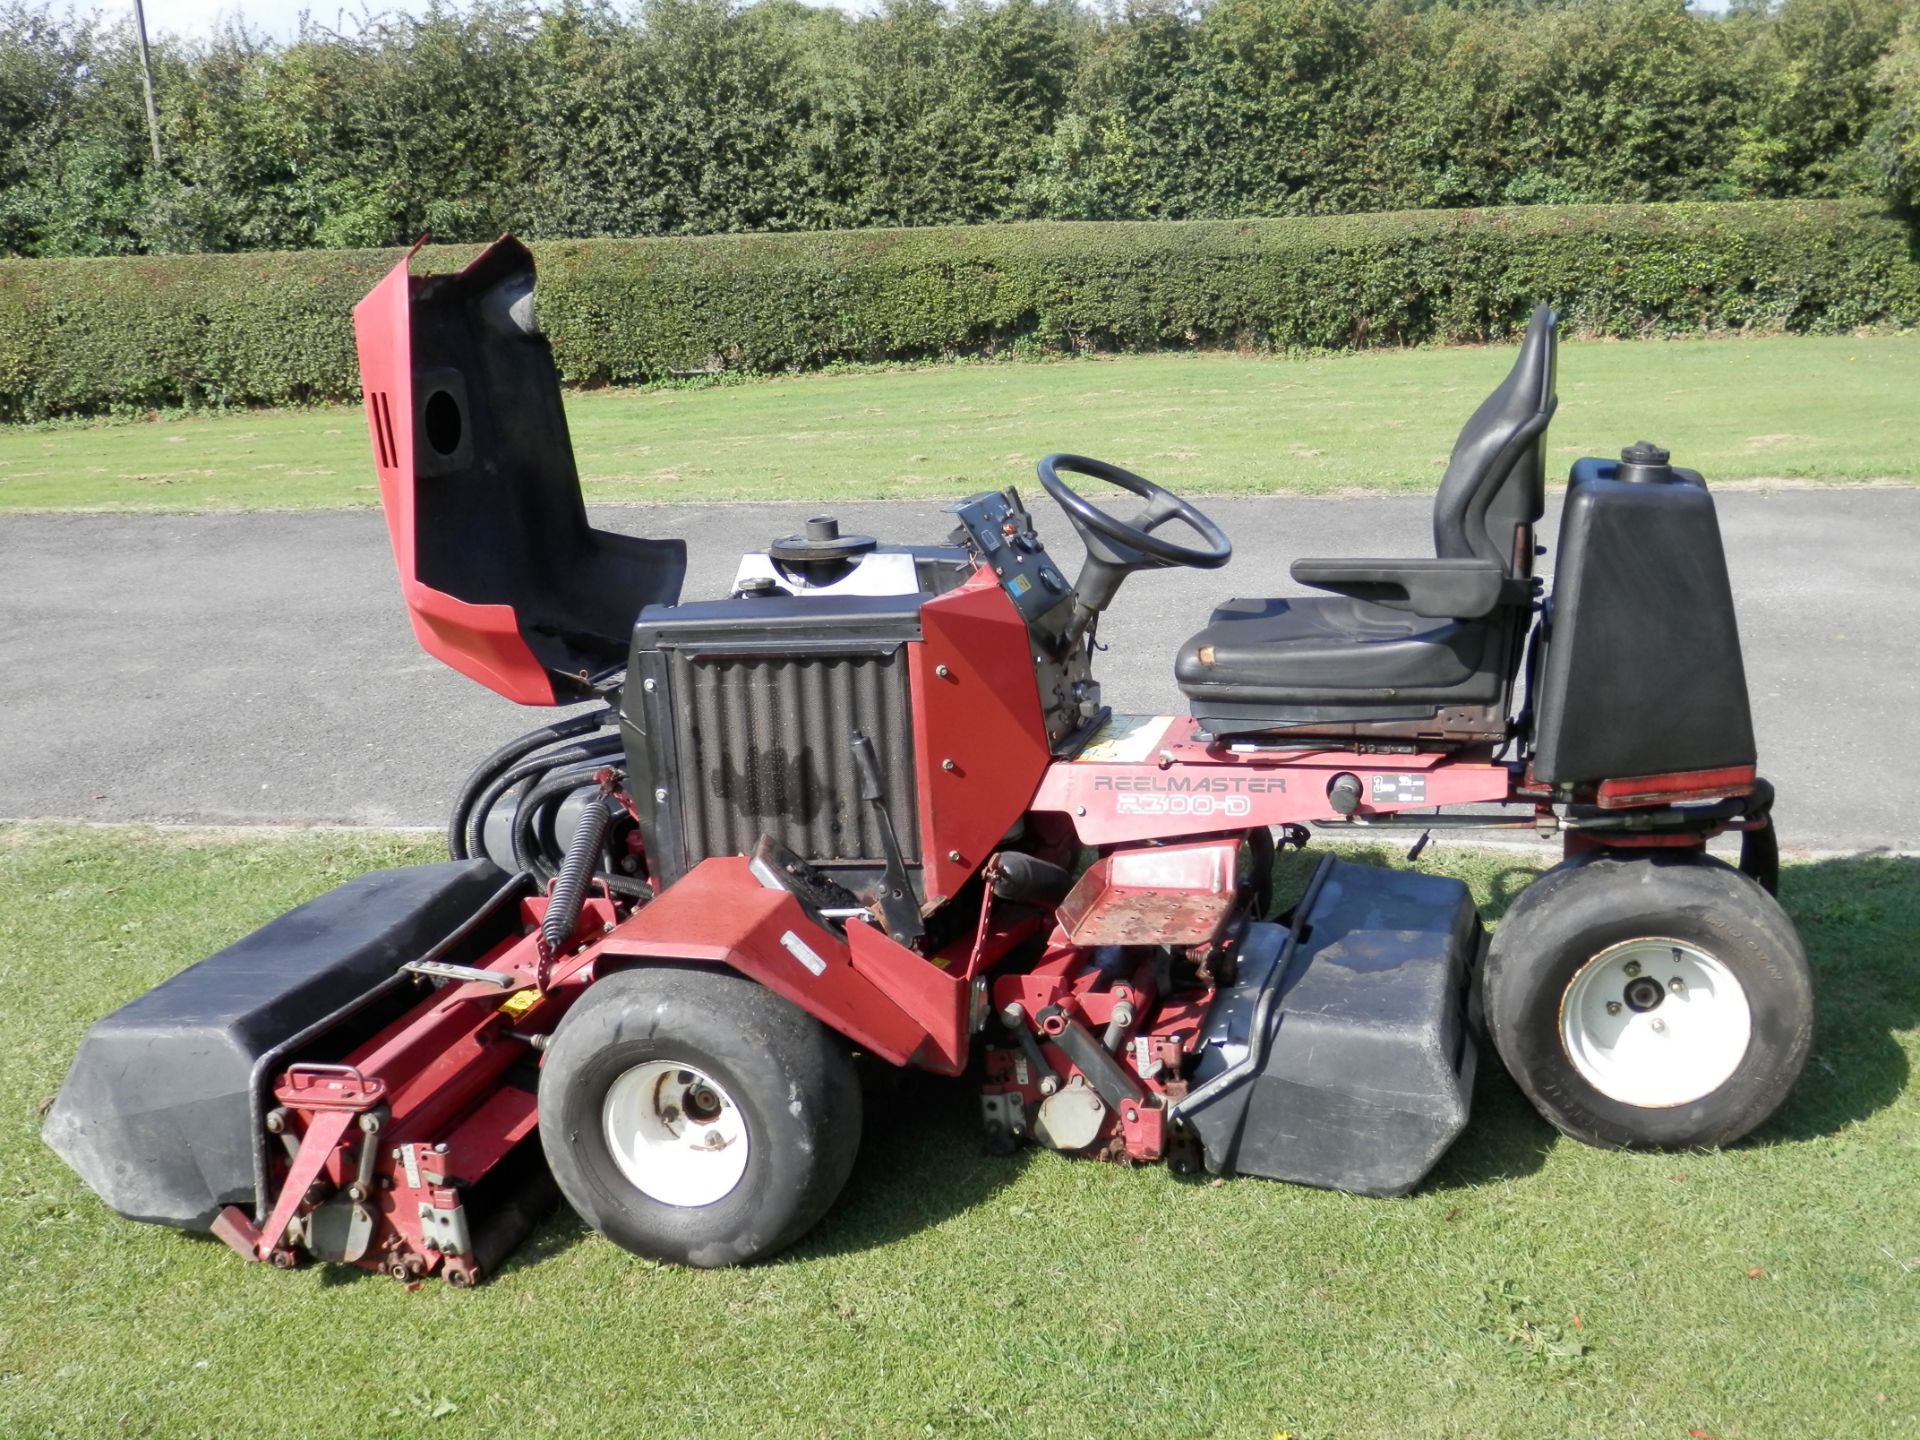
{"points": [[922, 1160], [1859, 919]]}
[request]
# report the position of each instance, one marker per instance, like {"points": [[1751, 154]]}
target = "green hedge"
{"points": [[84, 336]]}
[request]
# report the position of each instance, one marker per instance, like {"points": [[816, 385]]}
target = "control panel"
{"points": [[996, 527]]}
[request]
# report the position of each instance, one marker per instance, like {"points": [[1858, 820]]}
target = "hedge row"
{"points": [[86, 336]]}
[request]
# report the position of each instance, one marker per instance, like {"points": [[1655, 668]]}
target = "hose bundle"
{"points": [[542, 768], [517, 763]]}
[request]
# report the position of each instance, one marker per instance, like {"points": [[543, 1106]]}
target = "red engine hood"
{"points": [[503, 577]]}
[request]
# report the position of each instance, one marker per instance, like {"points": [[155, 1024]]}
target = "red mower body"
{"points": [[877, 782]]}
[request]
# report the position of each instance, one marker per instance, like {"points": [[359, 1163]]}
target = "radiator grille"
{"points": [[764, 747]]}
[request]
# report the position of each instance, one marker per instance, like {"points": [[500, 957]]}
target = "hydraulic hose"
{"points": [[576, 874], [526, 845], [596, 750], [487, 770]]}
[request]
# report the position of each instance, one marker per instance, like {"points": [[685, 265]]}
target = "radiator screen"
{"points": [[764, 747]]}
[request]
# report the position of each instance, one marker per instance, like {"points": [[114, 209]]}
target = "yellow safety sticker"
{"points": [[1124, 740], [520, 1002]]}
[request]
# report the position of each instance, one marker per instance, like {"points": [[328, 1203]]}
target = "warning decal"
{"points": [[1399, 789], [1124, 740]]}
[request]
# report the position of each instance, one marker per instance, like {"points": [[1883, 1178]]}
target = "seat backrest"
{"points": [[1495, 487]]}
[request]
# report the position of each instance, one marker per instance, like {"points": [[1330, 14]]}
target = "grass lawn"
{"points": [[1533, 1288], [1785, 408]]}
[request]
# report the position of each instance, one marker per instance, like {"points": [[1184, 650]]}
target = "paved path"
{"points": [[259, 668]]}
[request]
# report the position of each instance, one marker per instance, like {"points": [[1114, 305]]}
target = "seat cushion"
{"points": [[1333, 648]]}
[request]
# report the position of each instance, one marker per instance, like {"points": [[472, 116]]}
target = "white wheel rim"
{"points": [[675, 1134], [1655, 1023]]}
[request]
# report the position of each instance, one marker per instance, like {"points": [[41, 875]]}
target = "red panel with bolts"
{"points": [[978, 736], [719, 912]]}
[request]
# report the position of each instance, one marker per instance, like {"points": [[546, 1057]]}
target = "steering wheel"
{"points": [[1115, 547], [1135, 535]]}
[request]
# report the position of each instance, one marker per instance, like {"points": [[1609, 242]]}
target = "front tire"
{"points": [[695, 1117], [1653, 1000]]}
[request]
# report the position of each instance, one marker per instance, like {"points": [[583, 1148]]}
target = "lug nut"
{"points": [[1613, 1007], [1676, 984], [1660, 1027], [1633, 967]]}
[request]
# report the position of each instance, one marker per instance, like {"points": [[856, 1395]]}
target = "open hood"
{"points": [[503, 577]]}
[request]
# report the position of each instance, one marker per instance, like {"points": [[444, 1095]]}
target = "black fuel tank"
{"points": [[1641, 671]]}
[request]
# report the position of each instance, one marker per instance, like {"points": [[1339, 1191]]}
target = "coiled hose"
{"points": [[466, 809], [588, 756], [576, 874]]}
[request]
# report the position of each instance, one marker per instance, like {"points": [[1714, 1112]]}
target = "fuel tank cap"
{"points": [[1645, 462], [821, 540]]}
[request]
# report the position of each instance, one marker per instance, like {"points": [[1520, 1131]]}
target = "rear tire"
{"points": [[1654, 1000], [695, 1117]]}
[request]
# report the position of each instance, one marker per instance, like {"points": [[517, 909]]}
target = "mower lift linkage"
{"points": [[383, 1148]]}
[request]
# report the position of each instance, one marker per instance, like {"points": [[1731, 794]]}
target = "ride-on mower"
{"points": [[870, 804]]}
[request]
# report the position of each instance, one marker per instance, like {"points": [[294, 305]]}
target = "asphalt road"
{"points": [[259, 668]]}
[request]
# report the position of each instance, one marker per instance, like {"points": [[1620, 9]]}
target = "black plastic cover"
{"points": [[156, 1114], [1641, 671], [1343, 1059], [498, 516]]}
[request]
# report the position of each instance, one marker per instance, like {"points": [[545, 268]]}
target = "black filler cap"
{"points": [[1645, 462], [822, 541], [821, 554]]}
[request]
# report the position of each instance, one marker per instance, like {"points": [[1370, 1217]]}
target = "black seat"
{"points": [[1421, 649]]}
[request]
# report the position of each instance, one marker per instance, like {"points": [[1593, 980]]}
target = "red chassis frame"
{"points": [[403, 1129]]}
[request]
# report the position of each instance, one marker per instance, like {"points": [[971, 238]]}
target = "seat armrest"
{"points": [[1438, 589]]}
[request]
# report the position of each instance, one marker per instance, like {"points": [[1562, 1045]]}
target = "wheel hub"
{"points": [[676, 1134], [1655, 1023], [1644, 994]]}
